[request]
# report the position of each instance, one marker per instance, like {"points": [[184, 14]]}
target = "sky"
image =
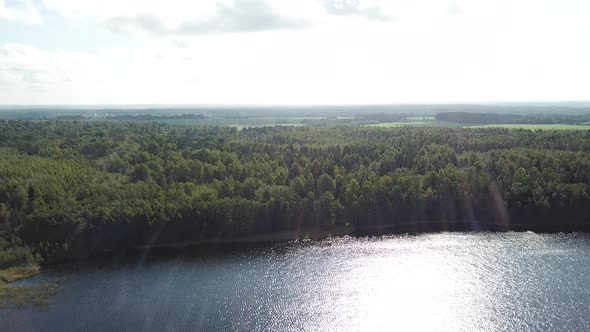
{"points": [[293, 51]]}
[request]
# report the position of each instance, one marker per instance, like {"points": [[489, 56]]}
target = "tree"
{"points": [[140, 173], [326, 183]]}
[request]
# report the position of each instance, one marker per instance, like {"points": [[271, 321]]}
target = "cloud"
{"points": [[183, 17], [238, 16], [454, 9], [354, 8], [22, 11], [28, 67], [244, 15]]}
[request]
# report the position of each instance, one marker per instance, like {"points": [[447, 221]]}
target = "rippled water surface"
{"points": [[437, 282]]}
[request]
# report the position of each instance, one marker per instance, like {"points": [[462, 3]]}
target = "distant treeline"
{"points": [[155, 117], [500, 118], [99, 114], [132, 117], [385, 117], [71, 189]]}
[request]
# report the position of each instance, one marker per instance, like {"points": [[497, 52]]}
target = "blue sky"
{"points": [[293, 52]]}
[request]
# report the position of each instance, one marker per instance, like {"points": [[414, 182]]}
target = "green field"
{"points": [[534, 126]]}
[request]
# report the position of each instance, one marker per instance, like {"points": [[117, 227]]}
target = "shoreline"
{"points": [[14, 273], [250, 241], [22, 295]]}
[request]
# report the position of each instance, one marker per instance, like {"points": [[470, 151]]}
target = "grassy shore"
{"points": [[19, 295], [18, 272], [11, 295]]}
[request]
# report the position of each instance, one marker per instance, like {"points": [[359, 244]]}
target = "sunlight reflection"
{"points": [[413, 283]]}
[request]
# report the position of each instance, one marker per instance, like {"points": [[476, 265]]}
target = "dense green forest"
{"points": [[506, 118], [71, 189]]}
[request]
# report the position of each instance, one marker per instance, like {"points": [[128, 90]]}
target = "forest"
{"points": [[508, 118], [73, 189]]}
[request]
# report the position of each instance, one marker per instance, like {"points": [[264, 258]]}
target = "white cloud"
{"points": [[28, 67], [239, 16], [214, 16], [356, 8], [21, 11]]}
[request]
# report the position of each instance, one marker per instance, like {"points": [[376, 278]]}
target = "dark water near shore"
{"points": [[434, 282]]}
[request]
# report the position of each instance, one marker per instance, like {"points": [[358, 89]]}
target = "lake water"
{"points": [[434, 282]]}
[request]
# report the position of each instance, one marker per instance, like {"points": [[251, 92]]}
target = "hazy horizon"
{"points": [[263, 105]]}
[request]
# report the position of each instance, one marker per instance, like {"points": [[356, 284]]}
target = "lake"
{"points": [[432, 282]]}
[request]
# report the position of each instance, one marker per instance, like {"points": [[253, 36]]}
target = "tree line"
{"points": [[70, 188], [507, 118]]}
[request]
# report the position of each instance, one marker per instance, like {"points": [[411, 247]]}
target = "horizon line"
{"points": [[287, 105]]}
